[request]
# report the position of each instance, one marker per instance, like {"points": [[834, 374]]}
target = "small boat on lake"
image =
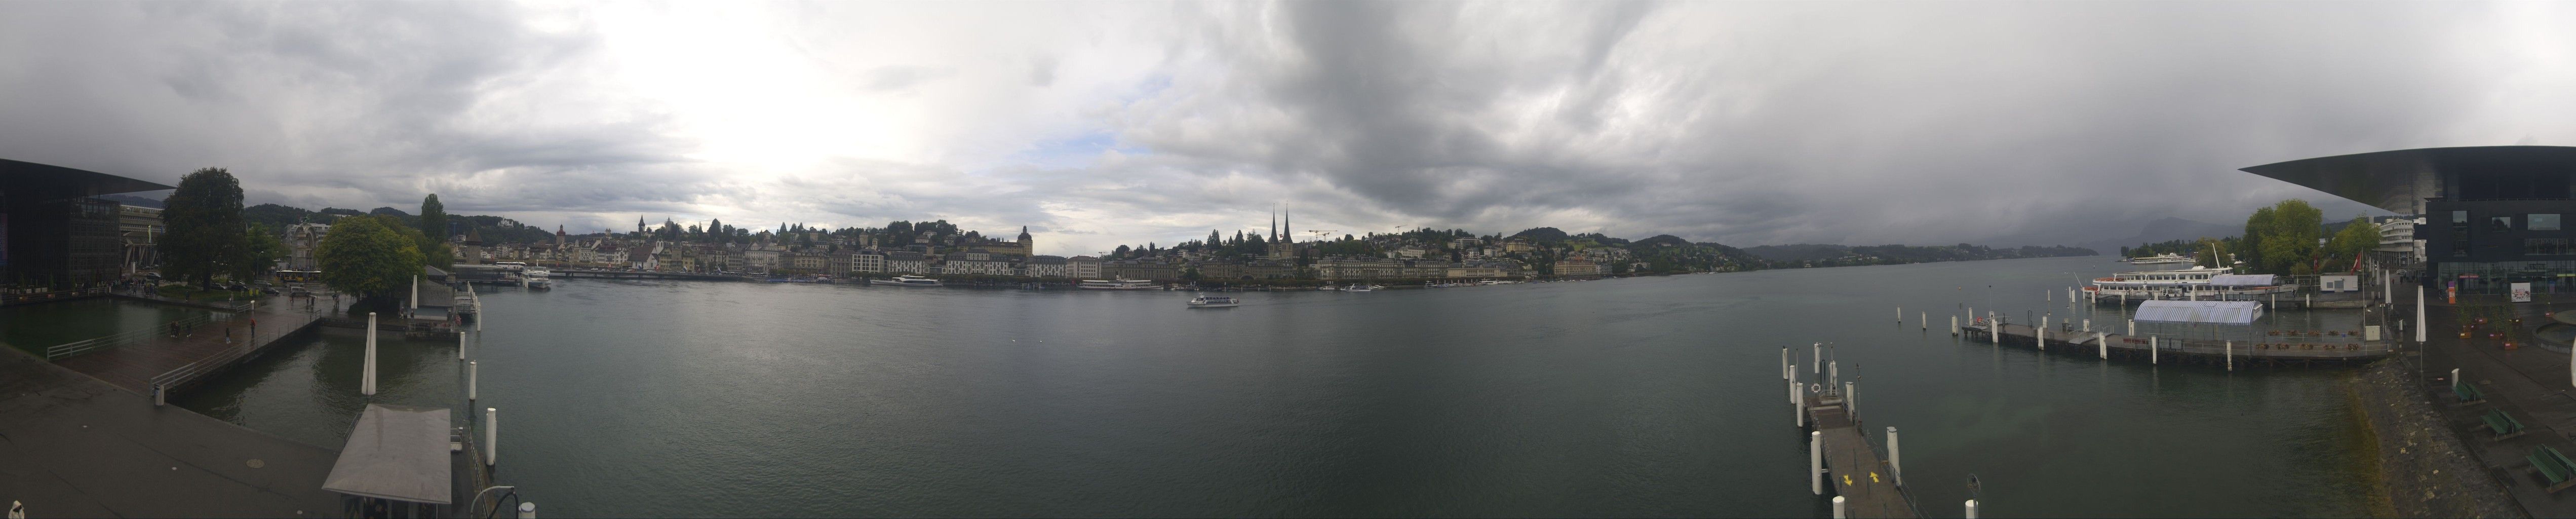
{"points": [[1117, 284], [1214, 302], [906, 281], [1355, 287]]}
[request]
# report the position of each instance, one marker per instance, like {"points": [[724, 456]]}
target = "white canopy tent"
{"points": [[2242, 280], [398, 453], [2201, 312]]}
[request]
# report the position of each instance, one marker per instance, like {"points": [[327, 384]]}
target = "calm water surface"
{"points": [[1656, 396]]}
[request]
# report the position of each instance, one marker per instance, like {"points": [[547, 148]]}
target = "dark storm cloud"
{"points": [[1838, 122], [344, 104], [1747, 123]]}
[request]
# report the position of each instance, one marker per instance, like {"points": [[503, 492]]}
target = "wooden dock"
{"points": [[1853, 469], [133, 364], [2264, 350]]}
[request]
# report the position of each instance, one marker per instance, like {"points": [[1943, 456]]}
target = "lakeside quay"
{"points": [[79, 447], [2532, 384]]}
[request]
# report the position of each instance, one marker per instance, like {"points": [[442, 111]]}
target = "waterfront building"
{"points": [[1047, 266], [868, 262], [1082, 267], [1148, 269], [53, 234], [2397, 244], [837, 264], [2490, 215], [1475, 271], [761, 259], [301, 240], [976, 263], [141, 227], [1578, 267], [907, 262]]}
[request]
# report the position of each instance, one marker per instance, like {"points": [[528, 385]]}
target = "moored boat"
{"points": [[1117, 284], [1355, 287], [1214, 302], [906, 281], [2190, 284]]}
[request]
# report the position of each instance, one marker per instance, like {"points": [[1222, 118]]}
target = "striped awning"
{"points": [[2205, 312]]}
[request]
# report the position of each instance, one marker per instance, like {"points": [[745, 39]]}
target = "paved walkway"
{"points": [[72, 446], [2530, 383], [132, 366]]}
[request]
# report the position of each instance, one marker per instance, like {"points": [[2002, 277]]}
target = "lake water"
{"points": [[1634, 397]]}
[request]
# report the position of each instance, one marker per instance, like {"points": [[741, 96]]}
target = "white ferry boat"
{"points": [[906, 281], [536, 278], [2191, 284], [1214, 302], [2161, 259], [1355, 287], [1117, 284]]}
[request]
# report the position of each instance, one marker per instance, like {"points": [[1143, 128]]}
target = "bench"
{"points": [[2468, 393], [2503, 424], [2553, 466]]}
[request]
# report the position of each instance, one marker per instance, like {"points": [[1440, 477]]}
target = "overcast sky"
{"points": [[1103, 123]]}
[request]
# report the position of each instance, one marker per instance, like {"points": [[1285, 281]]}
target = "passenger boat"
{"points": [[2191, 284], [906, 281], [1117, 284], [1355, 287], [536, 278], [1214, 302], [2161, 259]]}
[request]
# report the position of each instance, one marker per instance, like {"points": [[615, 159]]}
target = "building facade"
{"points": [[2489, 216]]}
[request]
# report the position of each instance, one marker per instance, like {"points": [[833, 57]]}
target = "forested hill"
{"points": [[1820, 255]]}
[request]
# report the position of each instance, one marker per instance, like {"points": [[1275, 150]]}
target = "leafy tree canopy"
{"points": [[370, 256]]}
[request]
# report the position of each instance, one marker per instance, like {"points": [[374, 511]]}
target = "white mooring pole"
{"points": [[1900, 315], [1816, 352], [2133, 328], [2088, 325], [2231, 355], [2105, 343], [368, 378], [473, 378], [527, 510], [2419, 315], [491, 436], [1801, 403], [1924, 318], [1895, 458], [1851, 401], [1954, 325], [2152, 350], [1833, 373], [1972, 509], [460, 345], [1784, 363], [1839, 509], [1816, 462]]}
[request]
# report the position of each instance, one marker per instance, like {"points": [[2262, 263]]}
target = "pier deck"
{"points": [[73, 446], [1853, 468], [132, 366], [2263, 351]]}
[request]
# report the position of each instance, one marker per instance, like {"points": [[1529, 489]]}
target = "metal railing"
{"points": [[68, 349], [162, 383]]}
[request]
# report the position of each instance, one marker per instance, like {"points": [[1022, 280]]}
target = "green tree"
{"points": [[206, 227], [2354, 240], [261, 250], [433, 217], [2284, 236], [372, 257]]}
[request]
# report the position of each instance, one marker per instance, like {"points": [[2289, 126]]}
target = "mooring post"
{"points": [[1794, 389], [2419, 314], [2311, 302], [1816, 462], [2455, 376], [2231, 355], [473, 378], [1784, 363], [1895, 458], [1851, 402], [1816, 352], [2039, 336], [2133, 327], [1924, 318], [460, 345], [1833, 373], [157, 392], [368, 378], [1972, 509], [527, 510], [491, 436], [1900, 315], [2088, 324], [1838, 508], [1793, 392], [2152, 350], [1954, 325], [2104, 343]]}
